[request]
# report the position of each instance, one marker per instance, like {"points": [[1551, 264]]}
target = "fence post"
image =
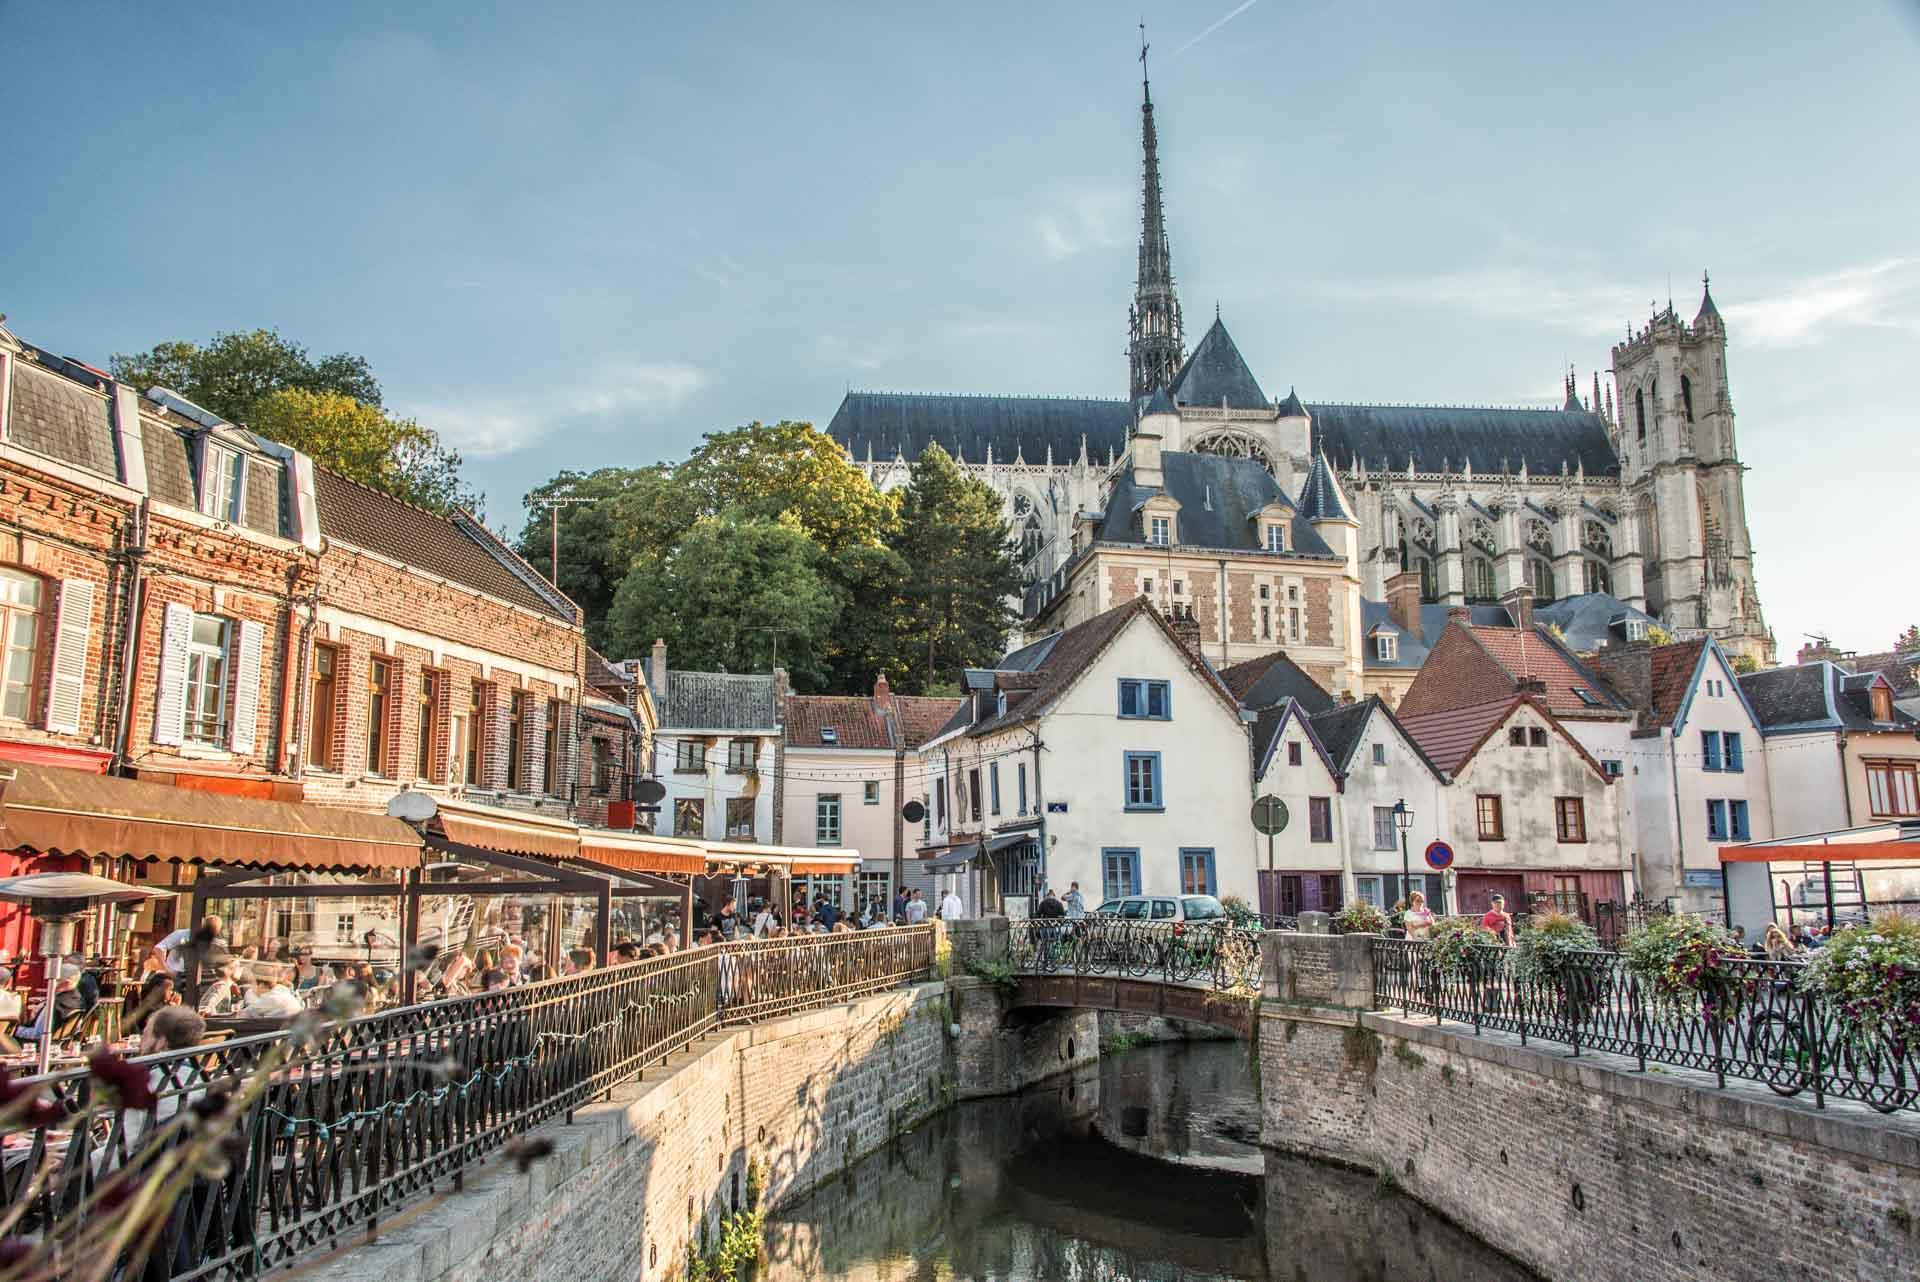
{"points": [[1476, 990], [1813, 1042], [1719, 1051], [1639, 1020], [1516, 995]]}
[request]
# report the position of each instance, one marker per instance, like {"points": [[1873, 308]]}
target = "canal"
{"points": [[1145, 1167]]}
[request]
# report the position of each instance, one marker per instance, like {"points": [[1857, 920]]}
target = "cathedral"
{"points": [[1259, 522]]}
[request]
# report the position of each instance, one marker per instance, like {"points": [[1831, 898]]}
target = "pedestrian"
{"points": [[729, 918], [916, 909], [765, 922], [1496, 920], [1050, 906], [900, 905], [950, 906], [825, 913], [1419, 918], [1075, 902]]}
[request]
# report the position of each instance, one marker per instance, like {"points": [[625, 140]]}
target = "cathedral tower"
{"points": [[1680, 467], [1154, 345]]}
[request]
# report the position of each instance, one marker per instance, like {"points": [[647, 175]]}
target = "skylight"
{"points": [[829, 734], [1586, 696]]}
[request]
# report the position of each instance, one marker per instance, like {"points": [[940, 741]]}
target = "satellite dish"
{"points": [[913, 812], [648, 791], [415, 807]]}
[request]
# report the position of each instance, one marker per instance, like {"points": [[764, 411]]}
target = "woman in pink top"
{"points": [[1418, 919]]}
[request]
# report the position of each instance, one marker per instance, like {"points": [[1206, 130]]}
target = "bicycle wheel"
{"points": [[1780, 1050]]}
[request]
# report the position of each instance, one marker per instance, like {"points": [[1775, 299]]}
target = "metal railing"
{"points": [[348, 1121], [1213, 954], [1757, 1023]]}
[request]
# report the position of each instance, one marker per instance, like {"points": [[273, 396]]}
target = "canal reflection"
{"points": [[1143, 1168]]}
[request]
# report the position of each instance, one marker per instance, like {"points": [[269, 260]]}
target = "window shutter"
{"points": [[72, 627], [246, 690], [170, 704]]}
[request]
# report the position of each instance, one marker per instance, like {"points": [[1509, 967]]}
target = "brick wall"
{"points": [[1319, 605]]}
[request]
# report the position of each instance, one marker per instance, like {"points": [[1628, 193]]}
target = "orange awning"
{"points": [[1821, 852], [824, 867], [641, 852], [508, 832], [71, 812]]}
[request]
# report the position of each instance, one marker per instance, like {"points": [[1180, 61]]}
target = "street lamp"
{"points": [[1403, 820]]}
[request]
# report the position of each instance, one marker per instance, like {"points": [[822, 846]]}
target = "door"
{"points": [[1475, 888]]}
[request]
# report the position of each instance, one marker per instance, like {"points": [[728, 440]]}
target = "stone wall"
{"points": [[1580, 1167], [634, 1180], [998, 1050]]}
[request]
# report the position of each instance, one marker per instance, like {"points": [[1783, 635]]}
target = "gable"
{"points": [[1522, 712], [1712, 665], [1142, 649], [1282, 725]]}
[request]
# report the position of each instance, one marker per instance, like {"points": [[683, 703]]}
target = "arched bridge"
{"points": [[1202, 972]]}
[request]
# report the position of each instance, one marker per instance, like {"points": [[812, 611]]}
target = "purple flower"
{"points": [[125, 1082]]}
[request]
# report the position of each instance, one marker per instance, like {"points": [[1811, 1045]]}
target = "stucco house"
{"points": [[1840, 753], [715, 750], [1380, 765]]}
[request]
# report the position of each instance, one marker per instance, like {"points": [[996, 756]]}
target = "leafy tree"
{"points": [[365, 443], [713, 594], [1908, 640], [232, 373], [788, 468], [962, 571], [634, 514]]}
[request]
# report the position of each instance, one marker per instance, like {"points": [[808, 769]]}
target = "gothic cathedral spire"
{"points": [[1154, 346]]}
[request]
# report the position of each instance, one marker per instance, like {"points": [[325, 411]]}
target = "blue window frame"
{"points": [[1196, 871], [993, 785], [1710, 750], [1021, 774], [1141, 782], [1119, 872], [1737, 820], [1730, 741], [1716, 821], [1145, 700]]}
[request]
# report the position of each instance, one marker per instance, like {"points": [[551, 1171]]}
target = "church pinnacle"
{"points": [[1154, 346]]}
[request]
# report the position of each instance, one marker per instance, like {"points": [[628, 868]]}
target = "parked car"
{"points": [[1164, 908]]}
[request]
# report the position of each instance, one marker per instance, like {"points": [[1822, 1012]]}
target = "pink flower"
{"points": [[125, 1082]]}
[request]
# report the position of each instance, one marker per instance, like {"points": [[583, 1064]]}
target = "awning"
{"points": [[957, 857], [1007, 840], [71, 812], [643, 852], [513, 832]]}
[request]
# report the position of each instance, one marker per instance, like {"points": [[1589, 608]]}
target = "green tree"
{"points": [[788, 468], [962, 572], [1908, 640], [712, 595], [232, 373], [368, 445], [633, 514]]}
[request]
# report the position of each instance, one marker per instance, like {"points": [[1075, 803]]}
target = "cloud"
{"points": [[1883, 295], [841, 352], [485, 429], [1088, 220], [1503, 293], [1215, 26]]}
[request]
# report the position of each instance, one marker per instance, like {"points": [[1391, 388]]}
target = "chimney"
{"points": [[882, 695], [1533, 686], [1519, 603], [1403, 602], [1459, 614], [1816, 649], [780, 688], [657, 674]]}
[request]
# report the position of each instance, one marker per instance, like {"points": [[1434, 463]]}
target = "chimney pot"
{"points": [[1403, 602], [1519, 603], [882, 693], [1460, 614]]}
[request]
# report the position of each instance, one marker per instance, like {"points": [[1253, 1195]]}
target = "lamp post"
{"points": [[1403, 820]]}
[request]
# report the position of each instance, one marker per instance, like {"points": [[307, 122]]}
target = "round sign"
{"points": [[913, 812], [1269, 815], [648, 791], [1439, 856]]}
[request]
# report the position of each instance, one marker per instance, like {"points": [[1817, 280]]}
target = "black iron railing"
{"points": [[344, 1122], [1756, 1023], [1213, 954]]}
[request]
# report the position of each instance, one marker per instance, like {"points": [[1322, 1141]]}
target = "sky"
{"points": [[581, 235]]}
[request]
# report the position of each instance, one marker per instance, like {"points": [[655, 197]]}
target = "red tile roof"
{"points": [[1673, 668], [1450, 738], [920, 717], [1532, 653], [851, 717]]}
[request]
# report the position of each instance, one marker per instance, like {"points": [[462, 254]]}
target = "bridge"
{"points": [[1199, 972]]}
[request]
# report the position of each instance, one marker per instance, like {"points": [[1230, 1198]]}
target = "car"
{"points": [[1194, 908]]}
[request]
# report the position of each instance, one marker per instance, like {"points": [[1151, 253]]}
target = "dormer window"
{"points": [[223, 483], [1882, 699], [1636, 629], [1386, 647], [1160, 530], [829, 734], [1276, 538]]}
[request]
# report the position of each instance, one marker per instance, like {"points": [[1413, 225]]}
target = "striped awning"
{"points": [[512, 832]]}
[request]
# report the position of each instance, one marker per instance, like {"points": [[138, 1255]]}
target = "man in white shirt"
{"points": [[950, 909], [916, 909], [1075, 903], [272, 999], [172, 949]]}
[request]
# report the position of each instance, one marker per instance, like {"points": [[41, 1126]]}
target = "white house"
{"points": [[715, 750], [1380, 767], [1107, 754]]}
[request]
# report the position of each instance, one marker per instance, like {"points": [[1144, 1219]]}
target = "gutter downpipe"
{"points": [[1846, 820], [1679, 824], [1040, 800], [130, 634], [1223, 612]]}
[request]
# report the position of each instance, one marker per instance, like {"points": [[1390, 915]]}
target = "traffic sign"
{"points": [[1439, 856], [1269, 815], [913, 812]]}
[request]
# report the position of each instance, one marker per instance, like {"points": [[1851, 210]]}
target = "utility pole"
{"points": [[553, 503]]}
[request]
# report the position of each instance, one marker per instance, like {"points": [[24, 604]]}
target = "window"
{"points": [[1379, 754], [1570, 818], [1480, 580], [321, 691], [1737, 820], [829, 734], [1517, 737], [1266, 621], [223, 488], [741, 754], [602, 767], [206, 721], [429, 722], [689, 817], [1540, 578], [1710, 750], [1640, 414], [1537, 737], [1882, 700], [1730, 750], [1686, 396], [555, 784], [993, 787], [20, 629], [1119, 873], [1383, 831], [1160, 531], [1143, 781], [1146, 700], [379, 691], [1386, 646], [1610, 767], [826, 819], [1893, 788], [1020, 774], [870, 793], [1196, 871], [1320, 819], [1486, 810], [517, 741], [940, 800], [1368, 888], [1636, 629], [973, 793], [1716, 821], [689, 757], [1293, 623], [1146, 586], [1598, 578], [1293, 753], [476, 737], [1276, 538], [1330, 896]]}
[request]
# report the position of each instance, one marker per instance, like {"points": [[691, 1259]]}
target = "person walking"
{"points": [[1496, 920], [1075, 902], [1419, 918], [916, 909], [950, 906]]}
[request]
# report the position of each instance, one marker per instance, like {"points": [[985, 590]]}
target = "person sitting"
{"points": [[9, 999], [272, 999], [172, 1028], [305, 974], [223, 995], [68, 1002], [155, 995], [493, 981], [626, 950]]}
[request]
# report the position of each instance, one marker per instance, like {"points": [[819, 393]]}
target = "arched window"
{"points": [[1540, 578], [1480, 580], [1686, 396], [1429, 591], [1032, 539], [1640, 413], [1598, 579], [20, 635]]}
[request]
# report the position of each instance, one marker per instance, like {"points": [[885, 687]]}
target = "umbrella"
{"points": [[57, 897]]}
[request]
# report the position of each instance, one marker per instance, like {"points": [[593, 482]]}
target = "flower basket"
{"points": [[1359, 918], [1463, 948], [1555, 952], [1685, 964], [1870, 978]]}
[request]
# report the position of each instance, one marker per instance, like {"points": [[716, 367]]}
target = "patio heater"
{"points": [[57, 901]]}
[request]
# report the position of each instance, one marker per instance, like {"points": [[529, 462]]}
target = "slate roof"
{"points": [[1591, 620], [366, 518], [1218, 498], [1901, 668], [889, 423], [854, 722], [1442, 437], [1272, 679], [716, 700], [1340, 729], [1291, 407], [58, 417], [1216, 375], [1321, 498], [1817, 696]]}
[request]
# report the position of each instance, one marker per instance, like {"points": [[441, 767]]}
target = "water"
{"points": [[1145, 1168]]}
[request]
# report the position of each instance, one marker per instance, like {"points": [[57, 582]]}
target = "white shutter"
{"points": [[170, 704], [73, 624], [246, 690]]}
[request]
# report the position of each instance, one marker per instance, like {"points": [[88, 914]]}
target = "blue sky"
{"points": [[574, 235]]}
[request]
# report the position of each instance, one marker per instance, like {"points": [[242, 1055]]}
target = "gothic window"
{"points": [[1233, 445], [1480, 535], [1598, 580], [1540, 578], [1595, 539], [1640, 414], [1429, 591], [1686, 396], [1539, 538], [1022, 505], [1479, 580], [1032, 539]]}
